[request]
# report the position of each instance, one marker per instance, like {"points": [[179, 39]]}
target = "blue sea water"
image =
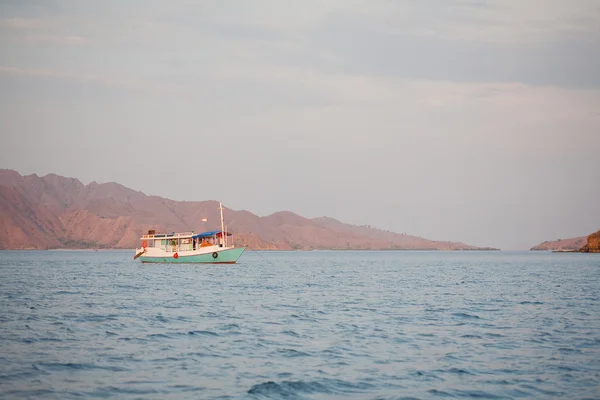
{"points": [[301, 325]]}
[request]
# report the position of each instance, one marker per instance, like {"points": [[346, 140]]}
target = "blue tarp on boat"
{"points": [[209, 234]]}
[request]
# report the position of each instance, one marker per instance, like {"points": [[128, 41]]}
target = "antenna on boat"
{"points": [[222, 225]]}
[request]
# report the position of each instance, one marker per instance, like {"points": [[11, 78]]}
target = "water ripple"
{"points": [[305, 325]]}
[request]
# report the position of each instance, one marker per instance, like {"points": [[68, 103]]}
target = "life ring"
{"points": [[144, 244], [215, 254], [175, 255]]}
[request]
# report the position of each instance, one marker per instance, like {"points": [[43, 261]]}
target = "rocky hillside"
{"points": [[57, 212], [585, 244], [593, 244], [562, 244]]}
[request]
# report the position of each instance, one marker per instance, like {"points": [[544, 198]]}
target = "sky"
{"points": [[463, 120]]}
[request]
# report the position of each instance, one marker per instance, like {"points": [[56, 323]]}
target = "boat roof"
{"points": [[185, 235], [209, 234]]}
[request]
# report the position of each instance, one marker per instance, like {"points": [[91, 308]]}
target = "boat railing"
{"points": [[168, 235], [181, 248]]}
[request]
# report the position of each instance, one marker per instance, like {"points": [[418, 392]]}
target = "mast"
{"points": [[222, 225]]}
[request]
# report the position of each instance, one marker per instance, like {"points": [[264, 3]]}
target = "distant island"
{"points": [[583, 244], [53, 211], [561, 244]]}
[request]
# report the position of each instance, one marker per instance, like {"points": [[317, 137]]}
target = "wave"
{"points": [[292, 389], [466, 316], [205, 333], [78, 366], [292, 353]]}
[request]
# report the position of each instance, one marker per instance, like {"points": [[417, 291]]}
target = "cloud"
{"points": [[41, 31], [22, 23], [122, 82], [60, 40], [511, 22], [382, 91], [14, 71], [533, 42]]}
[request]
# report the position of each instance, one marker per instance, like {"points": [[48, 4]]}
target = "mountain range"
{"points": [[53, 211]]}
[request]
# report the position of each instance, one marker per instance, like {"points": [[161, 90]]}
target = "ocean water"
{"points": [[301, 325]]}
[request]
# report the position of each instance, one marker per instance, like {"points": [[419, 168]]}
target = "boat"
{"points": [[188, 247]]}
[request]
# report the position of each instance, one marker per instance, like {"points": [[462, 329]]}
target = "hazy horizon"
{"points": [[466, 121]]}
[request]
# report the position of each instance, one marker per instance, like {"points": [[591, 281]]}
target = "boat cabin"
{"points": [[184, 241]]}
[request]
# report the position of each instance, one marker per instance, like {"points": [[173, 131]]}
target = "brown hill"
{"points": [[53, 211], [593, 244], [562, 244]]}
